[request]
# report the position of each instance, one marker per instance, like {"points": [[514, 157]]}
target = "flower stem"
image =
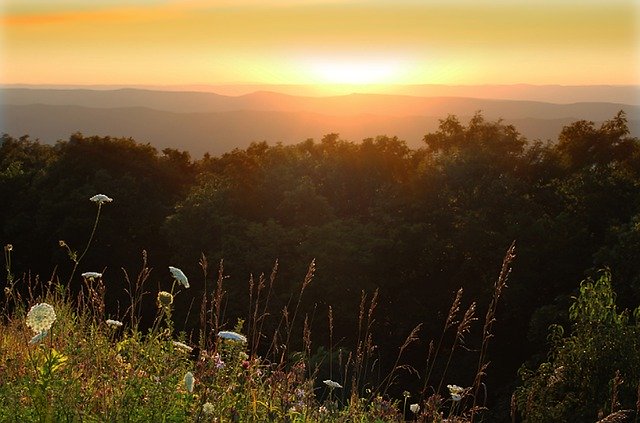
{"points": [[86, 248]]}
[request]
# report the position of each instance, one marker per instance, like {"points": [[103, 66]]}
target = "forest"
{"points": [[380, 223]]}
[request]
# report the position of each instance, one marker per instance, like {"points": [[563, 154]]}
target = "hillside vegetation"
{"points": [[344, 256]]}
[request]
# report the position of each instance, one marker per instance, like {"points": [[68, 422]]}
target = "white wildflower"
{"points": [[331, 384], [456, 392], [455, 389], [208, 409], [41, 317], [100, 199], [39, 337], [182, 347], [234, 336], [189, 381], [115, 323], [415, 408], [179, 276], [92, 275]]}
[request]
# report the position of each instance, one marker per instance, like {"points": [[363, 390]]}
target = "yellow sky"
{"points": [[314, 42]]}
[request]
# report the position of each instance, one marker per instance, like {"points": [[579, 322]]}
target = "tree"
{"points": [[581, 144], [592, 372]]}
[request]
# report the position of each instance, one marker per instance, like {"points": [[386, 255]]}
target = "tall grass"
{"points": [[93, 365]]}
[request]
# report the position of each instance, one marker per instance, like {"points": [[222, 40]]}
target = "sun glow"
{"points": [[356, 72]]}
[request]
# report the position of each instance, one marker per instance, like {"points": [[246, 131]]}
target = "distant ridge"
{"points": [[345, 105], [562, 94], [207, 122]]}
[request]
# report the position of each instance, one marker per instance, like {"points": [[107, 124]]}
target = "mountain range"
{"points": [[201, 122]]}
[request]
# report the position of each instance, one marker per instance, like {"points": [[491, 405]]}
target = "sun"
{"points": [[355, 71]]}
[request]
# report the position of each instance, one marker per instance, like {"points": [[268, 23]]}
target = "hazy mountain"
{"points": [[562, 94], [207, 122]]}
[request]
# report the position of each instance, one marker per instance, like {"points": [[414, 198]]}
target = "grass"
{"points": [[90, 368]]}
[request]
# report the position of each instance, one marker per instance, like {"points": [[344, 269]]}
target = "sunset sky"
{"points": [[568, 42]]}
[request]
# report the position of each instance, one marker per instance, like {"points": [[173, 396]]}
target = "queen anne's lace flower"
{"points": [[189, 381], [234, 336], [208, 409], [92, 275], [100, 199], [40, 317], [456, 392], [179, 276], [182, 347], [415, 408], [331, 384], [115, 323]]}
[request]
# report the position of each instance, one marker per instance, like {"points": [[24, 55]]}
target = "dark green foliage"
{"points": [[577, 383]]}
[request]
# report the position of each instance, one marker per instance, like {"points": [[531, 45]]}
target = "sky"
{"points": [[351, 42]]}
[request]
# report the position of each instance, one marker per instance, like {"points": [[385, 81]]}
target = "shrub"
{"points": [[592, 373]]}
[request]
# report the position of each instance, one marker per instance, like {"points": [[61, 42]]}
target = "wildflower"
{"points": [[415, 408], [331, 384], [234, 336], [39, 337], [208, 409], [406, 394], [8, 247], [456, 392], [182, 347], [165, 299], [179, 276], [189, 381], [91, 275], [41, 317], [323, 410], [114, 323], [218, 361], [100, 199]]}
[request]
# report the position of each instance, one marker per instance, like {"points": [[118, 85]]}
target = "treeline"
{"points": [[414, 224]]}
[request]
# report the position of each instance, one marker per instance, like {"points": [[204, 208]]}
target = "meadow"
{"points": [[65, 359]]}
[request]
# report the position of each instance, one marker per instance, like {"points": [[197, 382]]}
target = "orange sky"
{"points": [[320, 42]]}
